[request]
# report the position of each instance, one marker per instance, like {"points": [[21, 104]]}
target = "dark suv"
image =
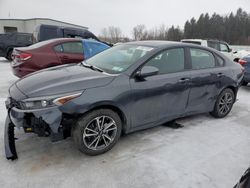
{"points": [[126, 88], [9, 41]]}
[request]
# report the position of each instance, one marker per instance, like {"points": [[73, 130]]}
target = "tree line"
{"points": [[232, 28]]}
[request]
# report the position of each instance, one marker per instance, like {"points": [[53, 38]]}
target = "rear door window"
{"points": [[70, 47], [201, 59]]}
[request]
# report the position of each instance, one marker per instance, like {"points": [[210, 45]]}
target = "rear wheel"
{"points": [[9, 55], [224, 103], [97, 132]]}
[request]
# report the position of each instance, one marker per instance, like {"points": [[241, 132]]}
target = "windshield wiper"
{"points": [[91, 67]]}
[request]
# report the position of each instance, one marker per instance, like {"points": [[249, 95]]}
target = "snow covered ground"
{"points": [[206, 153]]}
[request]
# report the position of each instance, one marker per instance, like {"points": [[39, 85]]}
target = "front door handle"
{"points": [[184, 80]]}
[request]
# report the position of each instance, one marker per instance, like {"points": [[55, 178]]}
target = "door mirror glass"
{"points": [[147, 71]]}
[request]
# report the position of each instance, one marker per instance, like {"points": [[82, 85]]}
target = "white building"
{"points": [[29, 25]]}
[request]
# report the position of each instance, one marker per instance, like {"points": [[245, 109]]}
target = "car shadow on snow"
{"points": [[37, 154], [4, 61], [245, 88]]}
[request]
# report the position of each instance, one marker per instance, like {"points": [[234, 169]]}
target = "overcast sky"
{"points": [[97, 14]]}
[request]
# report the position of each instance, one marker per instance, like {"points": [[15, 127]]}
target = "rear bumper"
{"points": [[21, 71]]}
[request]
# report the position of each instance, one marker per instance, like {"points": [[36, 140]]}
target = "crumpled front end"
{"points": [[43, 122], [9, 140]]}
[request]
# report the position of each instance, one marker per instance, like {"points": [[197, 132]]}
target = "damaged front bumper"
{"points": [[38, 121], [9, 140]]}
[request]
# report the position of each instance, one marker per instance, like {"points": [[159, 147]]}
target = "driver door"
{"points": [[163, 96]]}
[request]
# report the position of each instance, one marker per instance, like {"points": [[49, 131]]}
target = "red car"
{"points": [[53, 52]]}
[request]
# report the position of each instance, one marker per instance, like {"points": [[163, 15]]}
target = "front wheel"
{"points": [[97, 132], [224, 103]]}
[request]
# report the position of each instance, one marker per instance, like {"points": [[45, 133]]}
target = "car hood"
{"points": [[62, 79]]}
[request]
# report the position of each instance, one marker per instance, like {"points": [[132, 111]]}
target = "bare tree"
{"points": [[104, 34], [111, 34], [139, 32], [162, 32]]}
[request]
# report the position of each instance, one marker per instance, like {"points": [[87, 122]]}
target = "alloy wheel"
{"points": [[99, 133], [225, 103]]}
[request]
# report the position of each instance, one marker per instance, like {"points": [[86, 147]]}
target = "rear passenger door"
{"points": [[69, 52], [205, 80]]}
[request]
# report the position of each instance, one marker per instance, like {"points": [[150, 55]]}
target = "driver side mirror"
{"points": [[230, 50], [146, 71]]}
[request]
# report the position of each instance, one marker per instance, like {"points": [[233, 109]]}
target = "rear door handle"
{"points": [[184, 80], [220, 74], [65, 57]]}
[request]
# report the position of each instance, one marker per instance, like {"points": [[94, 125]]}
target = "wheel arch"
{"points": [[114, 108], [9, 49], [233, 88]]}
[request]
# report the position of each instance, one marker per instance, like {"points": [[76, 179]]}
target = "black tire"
{"points": [[9, 55], [89, 122], [244, 83], [224, 103]]}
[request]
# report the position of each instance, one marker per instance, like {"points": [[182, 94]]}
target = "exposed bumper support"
{"points": [[9, 140], [15, 118]]}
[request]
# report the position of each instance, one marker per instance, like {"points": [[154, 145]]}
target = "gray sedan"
{"points": [[126, 88]]}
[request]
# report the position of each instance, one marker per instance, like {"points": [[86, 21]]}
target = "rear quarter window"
{"points": [[220, 61], [58, 48]]}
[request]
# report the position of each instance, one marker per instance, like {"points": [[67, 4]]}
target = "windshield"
{"points": [[118, 59]]}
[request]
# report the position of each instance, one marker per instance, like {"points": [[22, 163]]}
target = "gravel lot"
{"points": [[206, 153]]}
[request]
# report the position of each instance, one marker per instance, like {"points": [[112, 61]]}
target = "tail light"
{"points": [[20, 57], [242, 62]]}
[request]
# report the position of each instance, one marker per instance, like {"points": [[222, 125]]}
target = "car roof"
{"points": [[166, 44], [63, 39], [156, 43], [195, 40], [70, 40]]}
